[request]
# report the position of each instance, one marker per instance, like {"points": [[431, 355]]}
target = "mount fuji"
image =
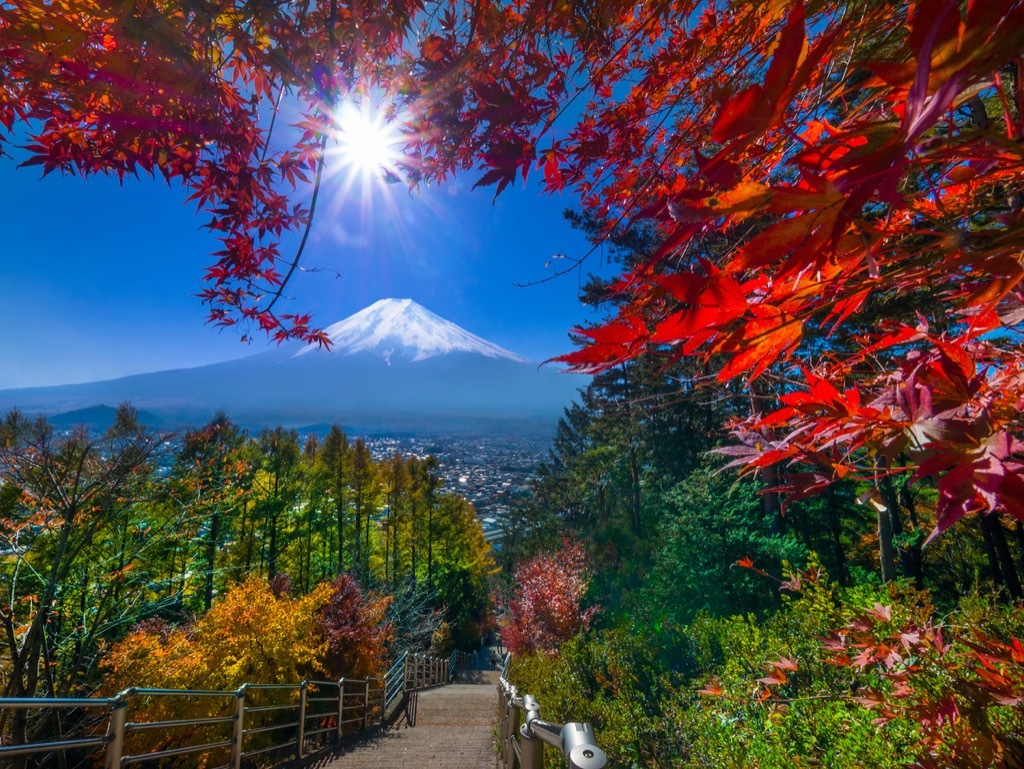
{"points": [[401, 328], [392, 367]]}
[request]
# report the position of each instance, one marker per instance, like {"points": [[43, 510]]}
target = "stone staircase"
{"points": [[454, 729]]}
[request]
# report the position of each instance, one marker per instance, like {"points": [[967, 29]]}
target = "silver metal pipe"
{"points": [[45, 747], [20, 703], [171, 752], [115, 729], [300, 739], [576, 741], [143, 725], [238, 727]]}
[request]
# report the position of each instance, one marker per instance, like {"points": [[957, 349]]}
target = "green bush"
{"points": [[709, 695]]}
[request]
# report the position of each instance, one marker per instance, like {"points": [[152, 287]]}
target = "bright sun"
{"points": [[366, 142]]}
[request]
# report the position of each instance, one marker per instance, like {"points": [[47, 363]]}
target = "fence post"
{"points": [[115, 728], [366, 703], [301, 739], [531, 749], [341, 706], [238, 727]]}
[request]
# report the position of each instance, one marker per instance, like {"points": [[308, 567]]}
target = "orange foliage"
{"points": [[255, 636]]}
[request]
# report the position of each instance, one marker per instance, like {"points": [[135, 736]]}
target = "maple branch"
{"points": [[293, 265], [320, 163]]}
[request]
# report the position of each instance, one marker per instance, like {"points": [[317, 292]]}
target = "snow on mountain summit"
{"points": [[392, 327]]}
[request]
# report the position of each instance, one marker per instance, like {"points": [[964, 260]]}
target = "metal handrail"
{"points": [[459, 660], [358, 705], [575, 740]]}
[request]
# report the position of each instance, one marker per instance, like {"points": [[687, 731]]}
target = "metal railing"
{"points": [[458, 661], [237, 726], [523, 733]]}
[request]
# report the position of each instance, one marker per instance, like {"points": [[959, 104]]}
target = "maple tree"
{"points": [[356, 629], [546, 608], [835, 184], [853, 158]]}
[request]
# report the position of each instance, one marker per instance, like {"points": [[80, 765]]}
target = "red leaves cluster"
{"points": [[803, 162], [546, 609], [184, 91], [974, 673], [355, 627], [807, 195]]}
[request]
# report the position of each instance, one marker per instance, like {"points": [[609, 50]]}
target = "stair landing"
{"points": [[454, 730]]}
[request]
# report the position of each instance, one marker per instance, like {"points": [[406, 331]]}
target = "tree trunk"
{"points": [[634, 481], [1011, 580], [886, 555], [1019, 531], [211, 558], [272, 552], [836, 530], [340, 513], [990, 551]]}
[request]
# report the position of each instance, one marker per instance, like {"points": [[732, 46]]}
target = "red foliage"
{"points": [[547, 606], [829, 192], [804, 163], [356, 629], [976, 675]]}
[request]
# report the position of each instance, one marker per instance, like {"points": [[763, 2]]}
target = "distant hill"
{"points": [[98, 418], [392, 367]]}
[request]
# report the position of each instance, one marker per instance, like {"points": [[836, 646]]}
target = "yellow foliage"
{"points": [[250, 636]]}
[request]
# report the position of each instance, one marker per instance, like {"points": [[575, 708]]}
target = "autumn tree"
{"points": [[69, 548], [547, 606], [336, 462], [356, 628], [206, 476]]}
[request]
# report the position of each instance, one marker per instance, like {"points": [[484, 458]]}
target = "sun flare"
{"points": [[367, 143]]}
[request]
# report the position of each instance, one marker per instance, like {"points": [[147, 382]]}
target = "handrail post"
{"points": [[531, 749], [579, 747], [115, 729], [530, 746], [508, 728], [238, 727], [301, 739], [366, 703], [341, 706]]}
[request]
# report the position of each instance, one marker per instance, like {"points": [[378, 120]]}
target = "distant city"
{"points": [[489, 472]]}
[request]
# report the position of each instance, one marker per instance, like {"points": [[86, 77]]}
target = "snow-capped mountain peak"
{"points": [[401, 327]]}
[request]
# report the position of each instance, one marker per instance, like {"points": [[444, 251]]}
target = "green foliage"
{"points": [[741, 691], [712, 520], [94, 540]]}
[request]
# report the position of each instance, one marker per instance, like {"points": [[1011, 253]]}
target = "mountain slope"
{"points": [[405, 328]]}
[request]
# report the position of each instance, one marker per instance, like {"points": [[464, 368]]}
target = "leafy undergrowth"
{"points": [[865, 676]]}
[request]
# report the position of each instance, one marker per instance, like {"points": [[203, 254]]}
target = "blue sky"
{"points": [[97, 279]]}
